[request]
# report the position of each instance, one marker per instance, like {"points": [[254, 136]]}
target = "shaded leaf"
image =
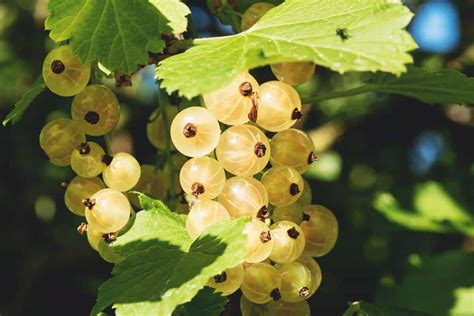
{"points": [[156, 280], [205, 303]]}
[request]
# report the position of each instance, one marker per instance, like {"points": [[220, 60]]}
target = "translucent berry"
{"points": [[320, 229], [294, 73], [279, 106], [59, 138], [254, 13], [79, 189], [122, 172], [156, 128], [63, 72], [233, 103], [292, 148], [261, 283], [295, 281], [259, 242], [96, 109], [244, 196], [288, 242], [202, 177], [195, 132], [228, 281], [243, 150], [107, 210], [202, 215], [86, 160], [284, 185]]}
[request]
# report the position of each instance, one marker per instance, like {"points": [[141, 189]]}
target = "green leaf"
{"points": [[155, 222], [433, 87], [299, 30], [435, 211], [175, 11], [437, 285], [20, 107], [205, 303], [118, 34], [156, 280], [367, 309], [441, 87]]}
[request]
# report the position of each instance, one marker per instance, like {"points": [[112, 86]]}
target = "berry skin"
{"points": [[86, 160], [79, 189], [202, 177], [63, 72], [107, 211], [155, 129], [94, 237], [282, 308], [295, 281], [320, 229], [292, 213], [259, 242], [253, 14], [243, 150], [195, 132], [232, 104], [96, 109], [279, 106], [59, 138], [313, 266], [261, 283], [108, 253], [202, 215], [228, 281], [294, 73], [288, 242], [152, 182], [122, 173], [244, 196], [284, 185], [306, 196], [292, 148]]}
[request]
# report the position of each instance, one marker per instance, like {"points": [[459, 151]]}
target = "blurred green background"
{"points": [[398, 174]]}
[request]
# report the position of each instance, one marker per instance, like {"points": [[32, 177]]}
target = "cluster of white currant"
{"points": [[95, 112], [278, 260]]}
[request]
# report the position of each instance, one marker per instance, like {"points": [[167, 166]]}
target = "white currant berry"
{"points": [[202, 177], [284, 185], [320, 229], [243, 150], [288, 242], [195, 132], [279, 106], [233, 103]]}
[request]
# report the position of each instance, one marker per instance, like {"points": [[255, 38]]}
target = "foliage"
{"points": [[298, 30], [158, 276], [367, 309]]}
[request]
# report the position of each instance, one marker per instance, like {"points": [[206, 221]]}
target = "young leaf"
{"points": [[361, 35], [25, 101], [440, 87], [156, 280], [155, 222], [205, 303], [366, 309], [119, 34]]}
